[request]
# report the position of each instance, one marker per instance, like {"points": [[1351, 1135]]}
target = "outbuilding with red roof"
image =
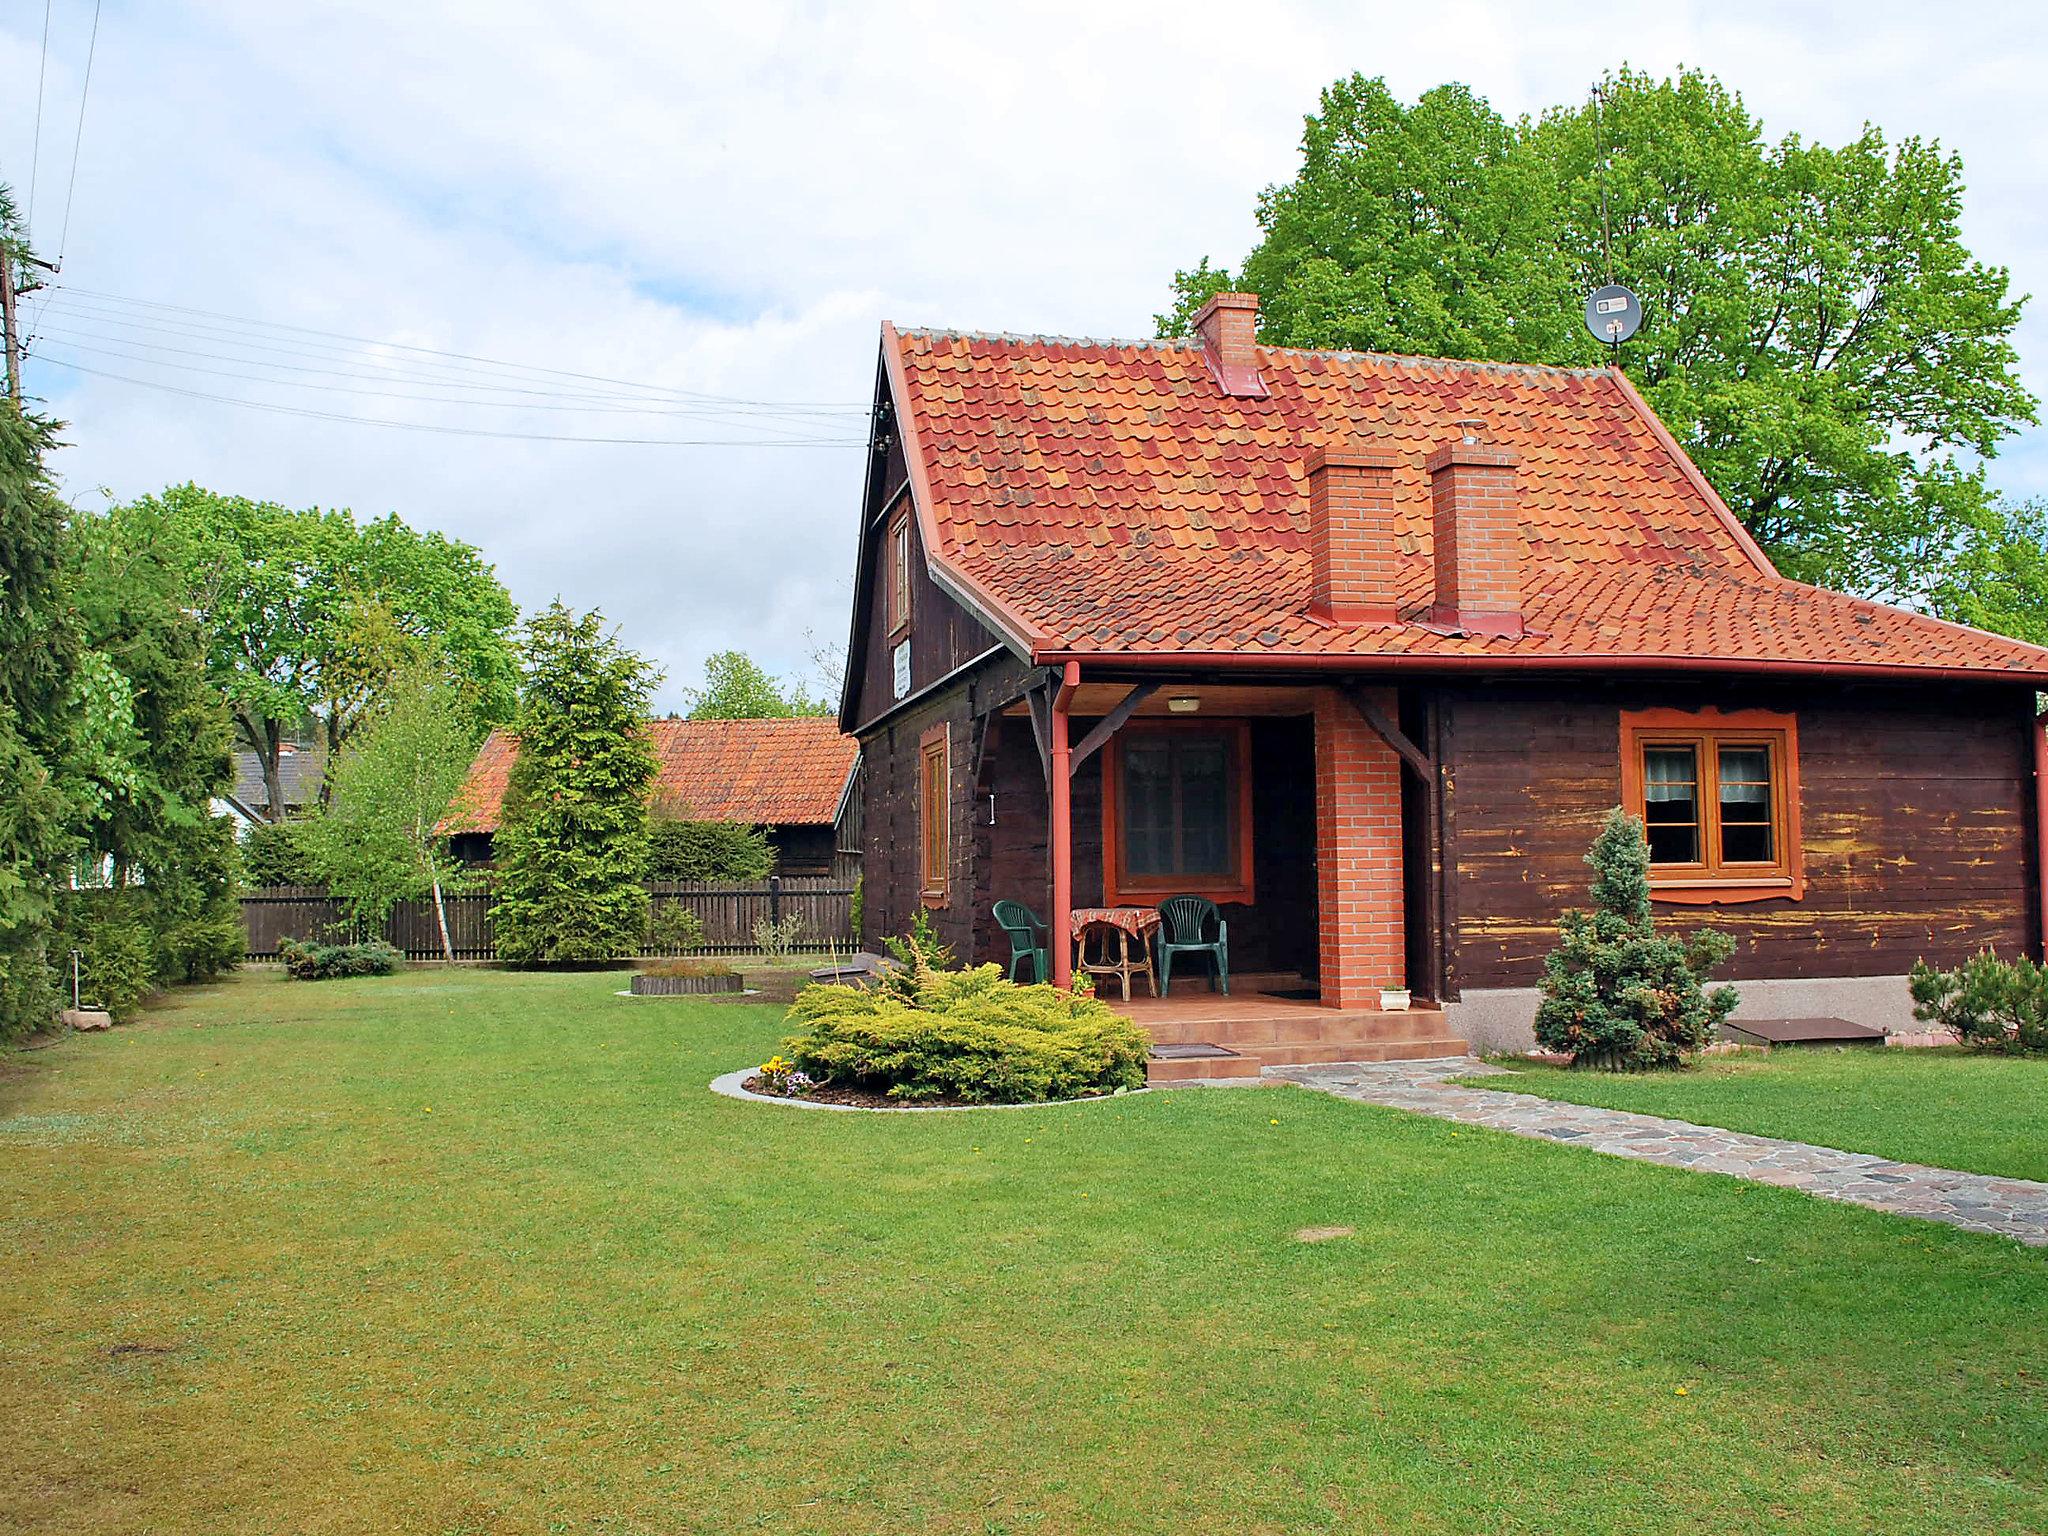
{"points": [[793, 777]]}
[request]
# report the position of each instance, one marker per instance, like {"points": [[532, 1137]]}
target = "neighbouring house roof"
{"points": [[1106, 500], [299, 773], [762, 772]]}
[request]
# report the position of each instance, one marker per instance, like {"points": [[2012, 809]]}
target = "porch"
{"points": [[1304, 810]]}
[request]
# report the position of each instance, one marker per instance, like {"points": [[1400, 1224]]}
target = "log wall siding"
{"points": [[1917, 807]]}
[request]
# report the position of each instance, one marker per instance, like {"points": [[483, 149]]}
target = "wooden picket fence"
{"points": [[728, 911]]}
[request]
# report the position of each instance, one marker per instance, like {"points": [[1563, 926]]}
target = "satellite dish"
{"points": [[1613, 314]]}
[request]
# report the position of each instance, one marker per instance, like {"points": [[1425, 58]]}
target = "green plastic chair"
{"points": [[1184, 926], [1023, 927]]}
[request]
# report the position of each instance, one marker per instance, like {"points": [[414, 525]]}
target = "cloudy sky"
{"points": [[667, 202]]}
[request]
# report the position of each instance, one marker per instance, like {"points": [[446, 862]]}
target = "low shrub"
{"points": [[1991, 1004], [698, 967], [972, 1036], [327, 962], [672, 926], [778, 940]]}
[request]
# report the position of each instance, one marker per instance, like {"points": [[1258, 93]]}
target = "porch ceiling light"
{"points": [[1183, 704]]}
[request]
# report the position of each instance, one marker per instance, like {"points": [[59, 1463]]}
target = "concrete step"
{"points": [[1200, 1069], [1297, 1024], [1310, 1053]]}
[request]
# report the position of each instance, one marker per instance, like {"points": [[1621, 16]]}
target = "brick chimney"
{"points": [[1478, 535], [1225, 325], [1351, 535]]}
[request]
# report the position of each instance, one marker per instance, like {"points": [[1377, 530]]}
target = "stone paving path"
{"points": [[2016, 1208]]}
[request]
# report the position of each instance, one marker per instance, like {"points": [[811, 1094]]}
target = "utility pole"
{"points": [[10, 310], [8, 319]]}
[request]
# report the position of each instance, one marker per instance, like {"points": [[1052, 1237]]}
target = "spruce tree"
{"points": [[572, 844], [1616, 993]]}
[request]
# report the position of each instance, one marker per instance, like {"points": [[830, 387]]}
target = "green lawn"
{"points": [[476, 1252], [1946, 1107]]}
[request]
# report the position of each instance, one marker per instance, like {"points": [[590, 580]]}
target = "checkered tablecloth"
{"points": [[1138, 922]]}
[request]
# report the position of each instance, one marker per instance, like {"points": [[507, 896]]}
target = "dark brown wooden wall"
{"points": [[1917, 810], [943, 634]]}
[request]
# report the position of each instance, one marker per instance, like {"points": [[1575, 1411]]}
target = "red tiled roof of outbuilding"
{"points": [[1105, 499], [762, 772]]}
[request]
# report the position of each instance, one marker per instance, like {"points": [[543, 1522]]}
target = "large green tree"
{"points": [[572, 843], [309, 614], [39, 668], [737, 687], [1816, 333], [378, 839]]}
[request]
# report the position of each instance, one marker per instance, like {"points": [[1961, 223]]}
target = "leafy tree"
{"points": [[1996, 577], [309, 615], [1616, 994], [1815, 332], [736, 687], [39, 665], [378, 839], [572, 844], [707, 850]]}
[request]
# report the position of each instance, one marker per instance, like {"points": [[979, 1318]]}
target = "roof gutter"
{"points": [[1875, 671]]}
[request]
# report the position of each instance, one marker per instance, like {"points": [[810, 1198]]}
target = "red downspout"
{"points": [[2041, 827], [1063, 831]]}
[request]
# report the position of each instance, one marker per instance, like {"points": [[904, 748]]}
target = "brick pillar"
{"points": [[1358, 855], [1476, 538], [1351, 534]]}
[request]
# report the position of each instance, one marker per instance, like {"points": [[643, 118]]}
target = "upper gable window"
{"points": [[1718, 794], [896, 579]]}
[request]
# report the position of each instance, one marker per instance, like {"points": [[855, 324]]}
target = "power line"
{"points": [[357, 365], [139, 351], [712, 416], [422, 426], [35, 154], [465, 357], [78, 138]]}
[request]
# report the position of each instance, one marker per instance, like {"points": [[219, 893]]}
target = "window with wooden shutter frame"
{"points": [[934, 815], [896, 576], [1177, 812], [1718, 795]]}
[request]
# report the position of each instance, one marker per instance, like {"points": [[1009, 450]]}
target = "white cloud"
{"points": [[731, 198]]}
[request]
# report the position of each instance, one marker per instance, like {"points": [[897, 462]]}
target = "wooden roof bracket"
{"points": [[1370, 711], [1110, 724]]}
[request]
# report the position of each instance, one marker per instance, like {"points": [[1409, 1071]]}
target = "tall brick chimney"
{"points": [[1478, 535], [1351, 534], [1225, 325]]}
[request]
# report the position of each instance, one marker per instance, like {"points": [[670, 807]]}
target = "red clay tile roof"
{"points": [[763, 772], [1104, 499]]}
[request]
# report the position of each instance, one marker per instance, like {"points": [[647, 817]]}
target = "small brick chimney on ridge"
{"points": [[1226, 324], [1477, 533]]}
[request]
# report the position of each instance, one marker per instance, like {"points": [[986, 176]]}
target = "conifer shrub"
{"points": [[1616, 993], [331, 962], [1991, 1004], [925, 1033]]}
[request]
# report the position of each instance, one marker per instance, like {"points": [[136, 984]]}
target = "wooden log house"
{"points": [[1364, 648]]}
